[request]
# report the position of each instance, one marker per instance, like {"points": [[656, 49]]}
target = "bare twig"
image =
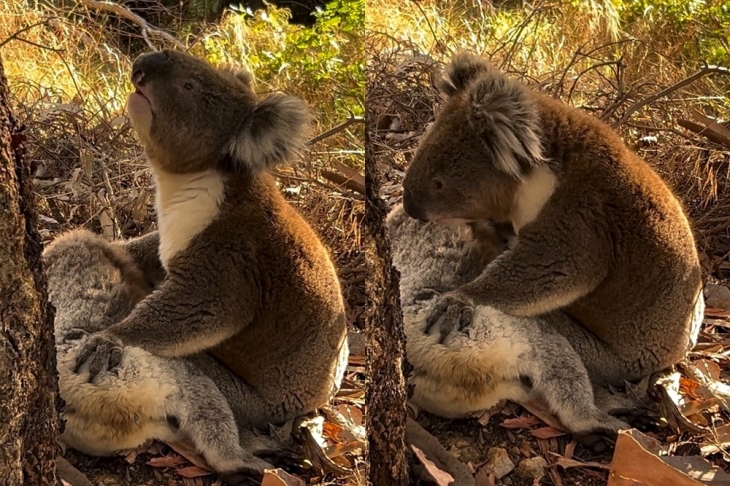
{"points": [[660, 94], [332, 131], [26, 29], [124, 12]]}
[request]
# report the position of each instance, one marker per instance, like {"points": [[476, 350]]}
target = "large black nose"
{"points": [[410, 206], [147, 65]]}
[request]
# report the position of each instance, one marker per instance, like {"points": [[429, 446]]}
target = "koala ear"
{"points": [[275, 133], [463, 69], [242, 75], [502, 110]]}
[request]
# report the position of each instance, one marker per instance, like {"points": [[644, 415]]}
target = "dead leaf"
{"points": [[193, 472], [442, 478], [488, 414], [693, 407], [709, 368], [339, 449], [107, 224], [484, 478], [167, 461], [636, 461], [570, 449], [567, 463], [547, 432], [87, 163], [186, 449], [279, 477], [540, 410], [139, 208], [331, 431], [522, 422]]}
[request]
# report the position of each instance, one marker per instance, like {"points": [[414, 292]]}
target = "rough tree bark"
{"points": [[385, 398], [28, 385]]}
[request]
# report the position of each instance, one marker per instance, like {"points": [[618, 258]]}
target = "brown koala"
{"points": [[601, 236], [248, 280]]}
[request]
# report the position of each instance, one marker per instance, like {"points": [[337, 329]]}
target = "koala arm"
{"points": [[189, 313], [145, 250], [548, 269]]}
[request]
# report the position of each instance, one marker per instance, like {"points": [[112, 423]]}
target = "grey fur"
{"points": [[500, 109], [121, 410], [493, 359]]}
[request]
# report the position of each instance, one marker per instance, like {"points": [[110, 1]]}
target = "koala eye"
{"points": [[438, 184], [188, 86]]}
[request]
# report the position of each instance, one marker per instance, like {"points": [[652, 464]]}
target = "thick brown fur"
{"points": [[248, 279], [600, 235]]}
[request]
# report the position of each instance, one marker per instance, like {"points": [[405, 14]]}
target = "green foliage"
{"points": [[708, 20], [324, 64]]}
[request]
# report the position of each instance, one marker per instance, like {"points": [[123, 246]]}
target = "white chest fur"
{"points": [[531, 196], [186, 204]]}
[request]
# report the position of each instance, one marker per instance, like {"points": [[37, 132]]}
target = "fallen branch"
{"points": [[66, 472], [660, 94], [125, 13], [349, 182], [707, 127], [332, 131], [418, 436]]}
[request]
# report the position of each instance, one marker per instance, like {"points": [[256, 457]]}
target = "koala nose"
{"points": [[410, 207], [148, 64]]}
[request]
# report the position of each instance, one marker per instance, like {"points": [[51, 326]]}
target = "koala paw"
{"points": [[102, 351], [452, 310]]}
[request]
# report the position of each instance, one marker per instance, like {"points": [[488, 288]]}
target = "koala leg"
{"points": [[604, 366], [152, 398], [559, 377], [208, 420]]}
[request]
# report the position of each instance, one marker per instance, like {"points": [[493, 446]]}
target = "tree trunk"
{"points": [[28, 384], [385, 398]]}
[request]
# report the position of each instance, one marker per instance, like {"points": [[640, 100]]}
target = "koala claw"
{"points": [[451, 311], [103, 353]]}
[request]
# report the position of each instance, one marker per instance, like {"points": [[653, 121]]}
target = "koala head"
{"points": [[191, 116], [484, 141]]}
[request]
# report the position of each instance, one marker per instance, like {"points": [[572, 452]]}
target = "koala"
{"points": [[599, 234], [247, 279], [499, 357], [92, 282]]}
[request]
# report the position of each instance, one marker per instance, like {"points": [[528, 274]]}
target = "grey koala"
{"points": [[499, 357], [94, 283]]}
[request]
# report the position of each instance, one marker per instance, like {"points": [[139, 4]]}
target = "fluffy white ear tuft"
{"points": [[275, 133], [240, 74], [463, 69], [503, 112]]}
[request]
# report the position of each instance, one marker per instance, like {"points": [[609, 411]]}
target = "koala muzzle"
{"points": [[147, 65], [410, 207]]}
